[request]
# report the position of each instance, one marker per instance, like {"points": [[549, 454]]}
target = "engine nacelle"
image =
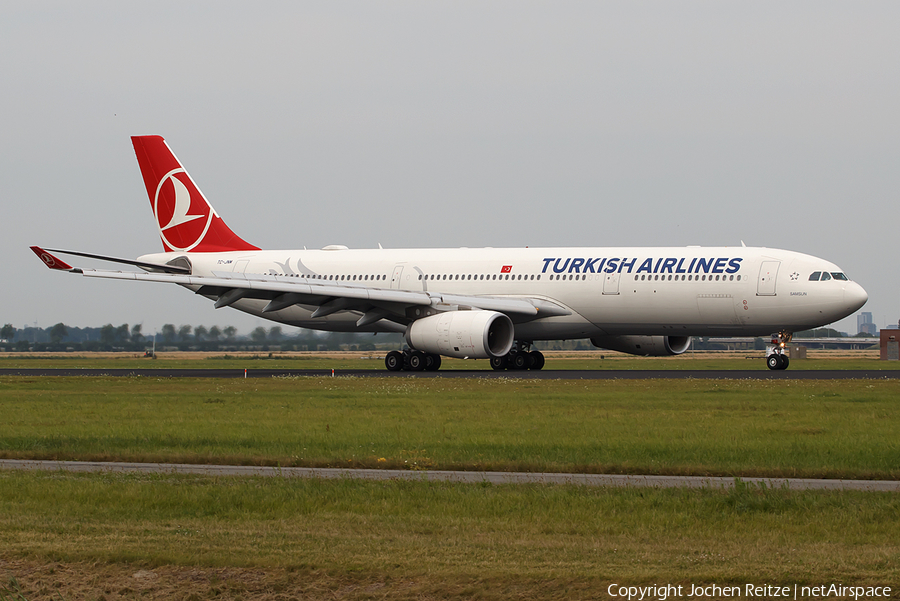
{"points": [[648, 346], [473, 334]]}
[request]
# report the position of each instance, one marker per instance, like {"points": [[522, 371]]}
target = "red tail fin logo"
{"points": [[172, 203], [186, 220]]}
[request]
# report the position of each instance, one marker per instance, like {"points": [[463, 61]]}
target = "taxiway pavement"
{"points": [[555, 374], [614, 480]]}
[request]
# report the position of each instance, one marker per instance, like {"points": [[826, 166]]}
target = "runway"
{"points": [[611, 480], [556, 374]]}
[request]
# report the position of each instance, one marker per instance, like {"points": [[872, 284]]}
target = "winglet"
{"points": [[51, 261]]}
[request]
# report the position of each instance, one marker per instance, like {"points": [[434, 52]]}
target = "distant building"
{"points": [[865, 325]]}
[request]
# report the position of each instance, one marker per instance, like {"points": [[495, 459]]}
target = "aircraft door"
{"points": [[395, 279], [768, 273], [611, 283], [240, 266]]}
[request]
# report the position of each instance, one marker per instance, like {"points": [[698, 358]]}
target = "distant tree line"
{"points": [[62, 338]]}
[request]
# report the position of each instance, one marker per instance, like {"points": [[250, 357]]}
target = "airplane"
{"points": [[483, 303]]}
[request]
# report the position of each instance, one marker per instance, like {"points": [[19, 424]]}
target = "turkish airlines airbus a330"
{"points": [[483, 303]]}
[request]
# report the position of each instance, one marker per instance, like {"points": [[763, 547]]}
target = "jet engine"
{"points": [[474, 334], [648, 346]]}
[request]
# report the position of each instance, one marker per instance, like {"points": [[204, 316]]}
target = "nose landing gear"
{"points": [[775, 355]]}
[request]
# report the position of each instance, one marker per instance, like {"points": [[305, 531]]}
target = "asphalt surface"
{"points": [[574, 374], [613, 480]]}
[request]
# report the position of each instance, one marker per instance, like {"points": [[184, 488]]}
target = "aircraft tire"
{"points": [[416, 361], [432, 362], [518, 361], [498, 363], [537, 360], [393, 361], [785, 361], [772, 361]]}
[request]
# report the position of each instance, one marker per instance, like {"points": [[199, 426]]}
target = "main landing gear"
{"points": [[520, 357], [411, 360], [775, 355]]}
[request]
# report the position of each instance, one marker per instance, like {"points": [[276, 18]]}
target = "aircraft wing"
{"points": [[282, 291]]}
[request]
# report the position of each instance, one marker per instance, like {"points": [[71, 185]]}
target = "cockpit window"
{"points": [[815, 276], [839, 276], [826, 276]]}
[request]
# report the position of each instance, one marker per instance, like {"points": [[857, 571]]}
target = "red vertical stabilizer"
{"points": [[186, 220]]}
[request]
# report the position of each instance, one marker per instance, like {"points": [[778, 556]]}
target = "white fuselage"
{"points": [[693, 291]]}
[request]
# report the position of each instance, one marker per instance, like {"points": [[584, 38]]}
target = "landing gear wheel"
{"points": [[777, 362], [537, 360], [432, 362], [416, 361], [498, 363], [777, 359], [393, 361], [518, 361]]}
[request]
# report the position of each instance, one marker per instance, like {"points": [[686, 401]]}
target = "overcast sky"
{"points": [[416, 124]]}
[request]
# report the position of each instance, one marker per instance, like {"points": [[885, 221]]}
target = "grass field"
{"points": [[837, 429], [445, 541], [80, 536]]}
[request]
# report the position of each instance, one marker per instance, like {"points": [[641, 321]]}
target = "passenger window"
{"points": [[839, 276], [825, 276], [814, 277]]}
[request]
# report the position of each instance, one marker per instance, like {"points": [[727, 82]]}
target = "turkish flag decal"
{"points": [[506, 269]]}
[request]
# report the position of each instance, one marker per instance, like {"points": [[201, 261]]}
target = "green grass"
{"points": [[454, 538], [74, 536], [837, 429]]}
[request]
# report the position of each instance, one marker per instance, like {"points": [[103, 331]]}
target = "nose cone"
{"points": [[854, 296]]}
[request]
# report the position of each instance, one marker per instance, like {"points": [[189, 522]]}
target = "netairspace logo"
{"points": [[748, 590]]}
